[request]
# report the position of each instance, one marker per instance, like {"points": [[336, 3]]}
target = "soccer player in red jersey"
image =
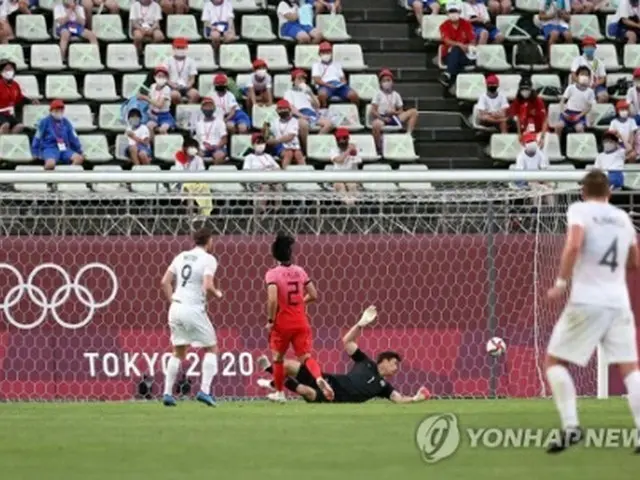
{"points": [[289, 290]]}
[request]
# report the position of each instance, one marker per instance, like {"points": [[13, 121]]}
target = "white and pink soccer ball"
{"points": [[496, 347]]}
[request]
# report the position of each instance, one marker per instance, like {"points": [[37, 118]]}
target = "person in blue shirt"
{"points": [[56, 141]]}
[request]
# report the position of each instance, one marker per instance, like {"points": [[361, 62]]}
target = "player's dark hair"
{"points": [[282, 248], [388, 355], [201, 237], [595, 184]]}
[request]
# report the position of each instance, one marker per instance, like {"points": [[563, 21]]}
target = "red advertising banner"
{"points": [[83, 317]]}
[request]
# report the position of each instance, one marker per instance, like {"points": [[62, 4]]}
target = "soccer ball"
{"points": [[496, 347]]}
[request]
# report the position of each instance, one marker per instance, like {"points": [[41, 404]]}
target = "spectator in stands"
{"points": [[258, 90], [626, 129], [476, 12], [329, 78], [419, 7], [211, 132], [628, 15], [345, 157], [174, 6], [259, 159], [70, 23], [56, 141], [305, 106], [633, 96], [217, 17], [290, 26], [144, 22], [11, 96], [110, 6], [576, 103], [596, 68], [611, 159], [159, 99], [554, 21], [528, 110], [457, 38], [387, 109], [285, 136], [493, 106], [187, 158], [9, 10], [499, 7], [227, 106], [139, 138], [327, 6], [531, 157], [182, 73]]}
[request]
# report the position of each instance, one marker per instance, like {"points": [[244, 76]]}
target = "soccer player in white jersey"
{"points": [[192, 272], [600, 246]]}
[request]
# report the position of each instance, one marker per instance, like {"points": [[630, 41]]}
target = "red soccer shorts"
{"points": [[299, 338]]}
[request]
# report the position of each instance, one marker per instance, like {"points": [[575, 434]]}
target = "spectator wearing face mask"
{"points": [[596, 68], [528, 110], [182, 73], [70, 21], [633, 96], [628, 15], [554, 19], [531, 157], [288, 12], [211, 132], [576, 103], [11, 97], [419, 7], [159, 99], [493, 106], [285, 136], [345, 157], [187, 158], [217, 17], [457, 38], [387, 109], [56, 141], [329, 78], [626, 128], [144, 22], [476, 12], [227, 106], [611, 159], [139, 138], [258, 90]]}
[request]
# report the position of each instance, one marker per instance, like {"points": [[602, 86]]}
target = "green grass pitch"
{"points": [[260, 441]]}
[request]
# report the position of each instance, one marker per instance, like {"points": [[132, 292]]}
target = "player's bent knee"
{"points": [[307, 392]]}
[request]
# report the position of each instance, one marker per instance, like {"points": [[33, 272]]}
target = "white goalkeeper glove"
{"points": [[423, 394], [368, 316]]}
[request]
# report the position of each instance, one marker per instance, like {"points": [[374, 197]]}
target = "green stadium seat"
{"points": [[107, 187], [29, 86], [15, 148], [509, 84], [492, 58], [239, 144], [320, 147], [417, 186], [469, 86], [100, 87], [183, 26], [582, 26], [123, 58], [146, 188], [366, 85], [275, 56], [345, 115], [504, 146], [607, 53], [80, 117], [333, 27], [528, 5], [601, 115], [132, 83], [553, 114], [350, 56], [109, 118], [631, 56], [398, 147], [185, 115], [378, 187], [366, 147], [32, 114], [305, 56], [551, 147], [202, 54], [562, 56], [508, 26], [302, 186], [257, 28], [582, 147], [108, 28], [226, 187], [157, 54], [44, 57], [262, 113], [30, 187], [235, 57], [431, 27], [541, 80], [85, 57], [166, 146], [32, 28], [245, 6], [63, 87], [281, 83], [632, 176], [71, 187]]}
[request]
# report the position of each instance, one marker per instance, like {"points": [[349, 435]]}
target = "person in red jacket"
{"points": [[528, 110], [457, 37], [10, 97]]}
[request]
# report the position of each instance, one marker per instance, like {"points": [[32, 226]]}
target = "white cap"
{"points": [[454, 7]]}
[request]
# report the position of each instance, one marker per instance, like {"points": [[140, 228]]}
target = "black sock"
{"points": [[269, 369], [291, 384]]}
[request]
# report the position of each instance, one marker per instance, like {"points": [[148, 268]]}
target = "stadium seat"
{"points": [[30, 187], [492, 58], [541, 80], [526, 66], [378, 187], [257, 28], [166, 146], [366, 147], [612, 79], [553, 114], [108, 28], [122, 57], [107, 187], [566, 186], [345, 115], [245, 5], [609, 6], [205, 85], [302, 186], [631, 56], [509, 84], [582, 26], [120, 150], [131, 84], [262, 113], [607, 53], [63, 87], [85, 57], [185, 115], [551, 147], [32, 28], [146, 188], [505, 146], [15, 148], [29, 86], [71, 187], [239, 144], [80, 117], [235, 57], [610, 20], [305, 56], [184, 26], [156, 54], [333, 27], [226, 187], [281, 83], [350, 56], [47, 4], [126, 5], [109, 118], [100, 87], [562, 56], [469, 86], [275, 56], [431, 27], [528, 5], [45, 57], [417, 186], [320, 147], [242, 80], [365, 85], [507, 24], [632, 176], [601, 115], [202, 54], [398, 147], [193, 4], [386, 128], [582, 147], [96, 148], [31, 114]]}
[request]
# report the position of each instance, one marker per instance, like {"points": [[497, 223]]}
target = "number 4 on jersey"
{"points": [[610, 257]]}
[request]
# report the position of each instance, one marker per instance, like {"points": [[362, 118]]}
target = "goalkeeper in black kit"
{"points": [[365, 380]]}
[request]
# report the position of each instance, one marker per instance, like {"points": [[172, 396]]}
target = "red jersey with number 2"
{"points": [[291, 281]]}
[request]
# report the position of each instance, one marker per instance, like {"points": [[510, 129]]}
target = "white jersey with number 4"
{"points": [[190, 267], [599, 275]]}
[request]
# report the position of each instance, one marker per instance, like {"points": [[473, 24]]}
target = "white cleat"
{"points": [[368, 316], [327, 391], [263, 362], [277, 397], [265, 383]]}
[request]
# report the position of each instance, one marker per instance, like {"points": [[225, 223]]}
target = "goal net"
{"points": [[82, 316]]}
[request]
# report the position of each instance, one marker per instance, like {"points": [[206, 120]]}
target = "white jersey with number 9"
{"points": [[599, 275], [190, 267]]}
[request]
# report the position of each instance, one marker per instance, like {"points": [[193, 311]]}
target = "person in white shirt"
{"points": [[633, 96], [187, 158], [159, 98], [170, 7], [288, 12], [70, 21], [217, 17], [387, 109], [182, 73], [227, 106], [260, 160], [187, 285], [258, 90], [107, 6], [493, 106], [601, 246], [285, 136], [576, 103], [531, 157], [144, 22], [596, 69], [329, 78], [554, 17], [626, 129], [139, 139], [477, 13], [211, 133], [345, 157], [9, 10], [612, 159], [628, 26]]}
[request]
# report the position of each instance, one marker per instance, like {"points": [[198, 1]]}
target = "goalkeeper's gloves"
{"points": [[423, 394], [368, 316]]}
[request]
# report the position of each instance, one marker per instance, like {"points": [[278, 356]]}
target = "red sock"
{"points": [[278, 376], [313, 367]]}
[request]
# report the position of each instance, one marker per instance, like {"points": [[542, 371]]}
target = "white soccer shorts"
{"points": [[582, 327], [190, 326]]}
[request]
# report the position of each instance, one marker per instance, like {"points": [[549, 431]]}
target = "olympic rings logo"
{"points": [[60, 296]]}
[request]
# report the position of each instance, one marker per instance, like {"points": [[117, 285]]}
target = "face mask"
{"points": [[192, 151], [492, 89], [284, 115], [589, 52], [584, 80], [530, 148], [454, 16], [8, 75], [343, 144], [525, 93], [259, 148], [623, 114], [302, 86], [180, 53], [386, 85], [134, 122], [207, 113], [221, 88], [609, 146], [161, 81], [261, 73], [57, 115], [325, 57]]}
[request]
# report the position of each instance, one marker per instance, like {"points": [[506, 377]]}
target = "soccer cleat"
{"points": [[327, 391], [208, 400], [265, 383], [570, 437], [263, 362], [277, 397], [368, 316], [169, 401]]}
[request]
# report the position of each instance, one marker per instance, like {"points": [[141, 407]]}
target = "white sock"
{"points": [[564, 394], [209, 369], [632, 382], [173, 367]]}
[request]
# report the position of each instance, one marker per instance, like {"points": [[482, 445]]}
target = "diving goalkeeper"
{"points": [[365, 380]]}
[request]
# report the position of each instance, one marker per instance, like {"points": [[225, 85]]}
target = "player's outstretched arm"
{"points": [[350, 339], [570, 252], [422, 395], [167, 284]]}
